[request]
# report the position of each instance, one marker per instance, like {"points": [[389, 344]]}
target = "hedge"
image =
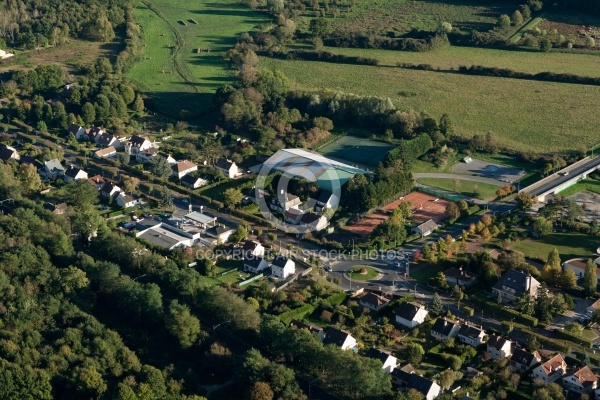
{"points": [[324, 56], [336, 299], [409, 150], [571, 337], [506, 313], [297, 313]]}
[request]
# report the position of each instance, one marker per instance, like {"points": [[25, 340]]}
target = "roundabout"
{"points": [[363, 273]]}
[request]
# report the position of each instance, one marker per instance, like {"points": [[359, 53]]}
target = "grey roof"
{"points": [[523, 357], [189, 180], [373, 299], [52, 207], [250, 245], [158, 239], [413, 381], [105, 151], [443, 326], [408, 310], [460, 273], [224, 164], [302, 325], [427, 226], [199, 217], [335, 336], [6, 152], [253, 262], [217, 230], [280, 261], [137, 140], [72, 171], [324, 196], [146, 223], [108, 187], [29, 160], [470, 331], [378, 354], [54, 165], [106, 139], [310, 218], [496, 342], [517, 280], [74, 128]]}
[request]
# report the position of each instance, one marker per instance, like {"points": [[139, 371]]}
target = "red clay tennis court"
{"points": [[424, 207]]}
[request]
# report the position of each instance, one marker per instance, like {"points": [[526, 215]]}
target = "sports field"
{"points": [[523, 114], [183, 62], [357, 150], [424, 206]]}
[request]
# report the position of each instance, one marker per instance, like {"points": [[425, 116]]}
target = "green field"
{"points": [[453, 57], [400, 16], [589, 185], [523, 114], [485, 191], [173, 74], [569, 245], [357, 150], [355, 274]]}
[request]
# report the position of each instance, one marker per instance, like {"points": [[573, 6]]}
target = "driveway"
{"points": [[473, 178]]}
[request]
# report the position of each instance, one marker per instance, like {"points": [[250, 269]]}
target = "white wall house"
{"points": [[410, 314], [499, 348], [228, 167], [283, 267], [550, 370]]}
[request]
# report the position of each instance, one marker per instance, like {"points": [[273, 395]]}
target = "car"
{"points": [[185, 200], [135, 218], [328, 268], [158, 219], [597, 346], [147, 215], [583, 320]]}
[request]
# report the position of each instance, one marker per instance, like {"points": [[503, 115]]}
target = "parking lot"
{"points": [[490, 170]]}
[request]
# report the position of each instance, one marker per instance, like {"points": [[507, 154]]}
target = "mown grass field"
{"points": [[453, 57], [173, 40], [589, 185], [537, 117], [569, 245], [357, 150], [484, 191], [382, 16]]}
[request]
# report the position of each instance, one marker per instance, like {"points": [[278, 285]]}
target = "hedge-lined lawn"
{"points": [[590, 185], [523, 114], [355, 274], [485, 191], [569, 245], [216, 192], [423, 272]]}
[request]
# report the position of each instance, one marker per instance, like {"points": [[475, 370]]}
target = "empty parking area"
{"points": [[490, 170]]}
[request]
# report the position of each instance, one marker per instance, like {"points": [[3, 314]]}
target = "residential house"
{"points": [[326, 200], [4, 55], [74, 173], [165, 235], [550, 370], [314, 220], [76, 130], [499, 348], [293, 216], [405, 381], [146, 155], [193, 182], [410, 314], [470, 372], [228, 167], [255, 264], [182, 168], [387, 359], [53, 169], [426, 228], [56, 208], [285, 201], [94, 134], [373, 301], [522, 360], [340, 338], [96, 181], [471, 335], [253, 248], [584, 380], [310, 327], [138, 144], [253, 195], [8, 153], [514, 284], [126, 201], [283, 267], [577, 265], [592, 308], [109, 189], [108, 152], [30, 160], [220, 233], [107, 139], [460, 277], [444, 329]]}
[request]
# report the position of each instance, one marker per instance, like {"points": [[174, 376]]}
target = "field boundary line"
{"points": [[532, 23]]}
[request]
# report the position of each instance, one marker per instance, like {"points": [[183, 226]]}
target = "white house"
{"points": [[404, 380], [145, 156], [471, 335], [577, 265], [138, 144], [96, 181], [426, 228], [313, 220], [387, 359], [340, 338], [193, 182], [326, 200], [499, 348], [108, 152], [94, 134], [550, 370], [282, 267], [76, 130], [460, 277], [220, 233], [373, 301], [53, 169], [109, 189], [126, 201], [107, 139], [228, 167], [253, 248], [514, 284], [584, 380], [444, 329], [310, 327], [4, 55], [522, 360], [73, 174], [8, 153], [255, 264], [182, 168], [410, 314]]}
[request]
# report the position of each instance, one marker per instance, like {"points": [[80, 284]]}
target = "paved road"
{"points": [[473, 178], [560, 179]]}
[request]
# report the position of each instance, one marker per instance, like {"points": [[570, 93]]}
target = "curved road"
{"points": [[480, 179]]}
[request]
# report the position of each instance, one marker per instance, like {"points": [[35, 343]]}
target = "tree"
{"points": [[568, 279], [138, 105], [503, 21], [525, 11], [590, 41], [436, 306], [524, 200], [261, 391], [414, 394], [552, 269], [545, 44], [240, 234], [590, 281], [441, 282], [160, 167], [446, 378], [452, 211], [320, 27], [232, 197], [88, 113], [182, 324], [207, 267], [85, 224], [413, 353], [446, 126], [130, 184], [166, 197], [543, 304], [81, 194], [517, 18], [123, 157], [30, 179]]}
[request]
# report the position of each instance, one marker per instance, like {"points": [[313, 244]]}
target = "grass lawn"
{"points": [[216, 192], [569, 245], [424, 272], [357, 276], [468, 188], [589, 185], [190, 77], [523, 114], [453, 57], [357, 149]]}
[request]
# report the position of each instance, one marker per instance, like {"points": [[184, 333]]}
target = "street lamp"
{"points": [[415, 290]]}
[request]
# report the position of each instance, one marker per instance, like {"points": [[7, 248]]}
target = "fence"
{"points": [[250, 280], [437, 193]]}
